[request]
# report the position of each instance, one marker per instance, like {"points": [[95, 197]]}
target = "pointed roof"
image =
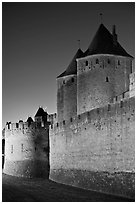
{"points": [[72, 67], [103, 43], [29, 119], [40, 112]]}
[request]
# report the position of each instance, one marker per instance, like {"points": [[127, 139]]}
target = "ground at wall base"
{"points": [[120, 183], [17, 189]]}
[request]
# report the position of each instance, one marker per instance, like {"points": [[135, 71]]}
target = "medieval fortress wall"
{"points": [[100, 141], [99, 80], [92, 136], [66, 97], [26, 149]]}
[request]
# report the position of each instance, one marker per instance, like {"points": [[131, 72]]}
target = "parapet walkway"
{"points": [[16, 189]]}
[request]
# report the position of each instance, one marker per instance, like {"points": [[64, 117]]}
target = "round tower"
{"points": [[103, 72], [26, 149], [67, 90]]}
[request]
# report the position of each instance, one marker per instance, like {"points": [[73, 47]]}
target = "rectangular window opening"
{"points": [[86, 63], [12, 149], [107, 80], [21, 147]]}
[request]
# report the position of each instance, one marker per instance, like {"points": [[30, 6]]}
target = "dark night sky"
{"points": [[40, 39]]}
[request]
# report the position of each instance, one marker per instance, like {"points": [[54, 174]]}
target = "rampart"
{"points": [[95, 150], [52, 118], [26, 149]]}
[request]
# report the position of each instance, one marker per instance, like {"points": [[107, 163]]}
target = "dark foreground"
{"points": [[16, 189]]}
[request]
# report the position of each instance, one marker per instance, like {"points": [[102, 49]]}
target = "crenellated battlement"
{"points": [[27, 147], [52, 118], [121, 97], [93, 129], [91, 62], [23, 126], [117, 99], [117, 105]]}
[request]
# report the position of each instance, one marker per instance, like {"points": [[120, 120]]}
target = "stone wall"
{"points": [[132, 84], [67, 97], [97, 144], [52, 118], [26, 150], [99, 80]]}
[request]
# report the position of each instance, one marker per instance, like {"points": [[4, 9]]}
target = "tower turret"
{"points": [[27, 147], [67, 90], [29, 120], [103, 72], [41, 117]]}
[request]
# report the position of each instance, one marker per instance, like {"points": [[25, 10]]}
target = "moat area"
{"points": [[16, 189]]}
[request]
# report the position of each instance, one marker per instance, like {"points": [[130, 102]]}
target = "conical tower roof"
{"points": [[72, 68], [40, 112], [103, 43], [29, 119]]}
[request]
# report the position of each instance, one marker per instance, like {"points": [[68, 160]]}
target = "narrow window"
{"points": [[17, 125], [116, 98], [121, 104], [130, 66], [108, 107], [63, 81], [72, 79], [107, 79], [118, 62], [70, 119], [108, 61], [11, 148], [3, 146], [8, 126], [63, 122], [97, 61], [86, 63], [35, 148], [123, 95], [57, 124], [21, 147]]}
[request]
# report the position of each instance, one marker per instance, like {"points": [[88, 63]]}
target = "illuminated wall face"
{"points": [[27, 151], [100, 144], [67, 97], [100, 78]]}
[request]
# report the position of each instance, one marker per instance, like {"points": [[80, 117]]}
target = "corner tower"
{"points": [[103, 72], [41, 117], [67, 90], [27, 147]]}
